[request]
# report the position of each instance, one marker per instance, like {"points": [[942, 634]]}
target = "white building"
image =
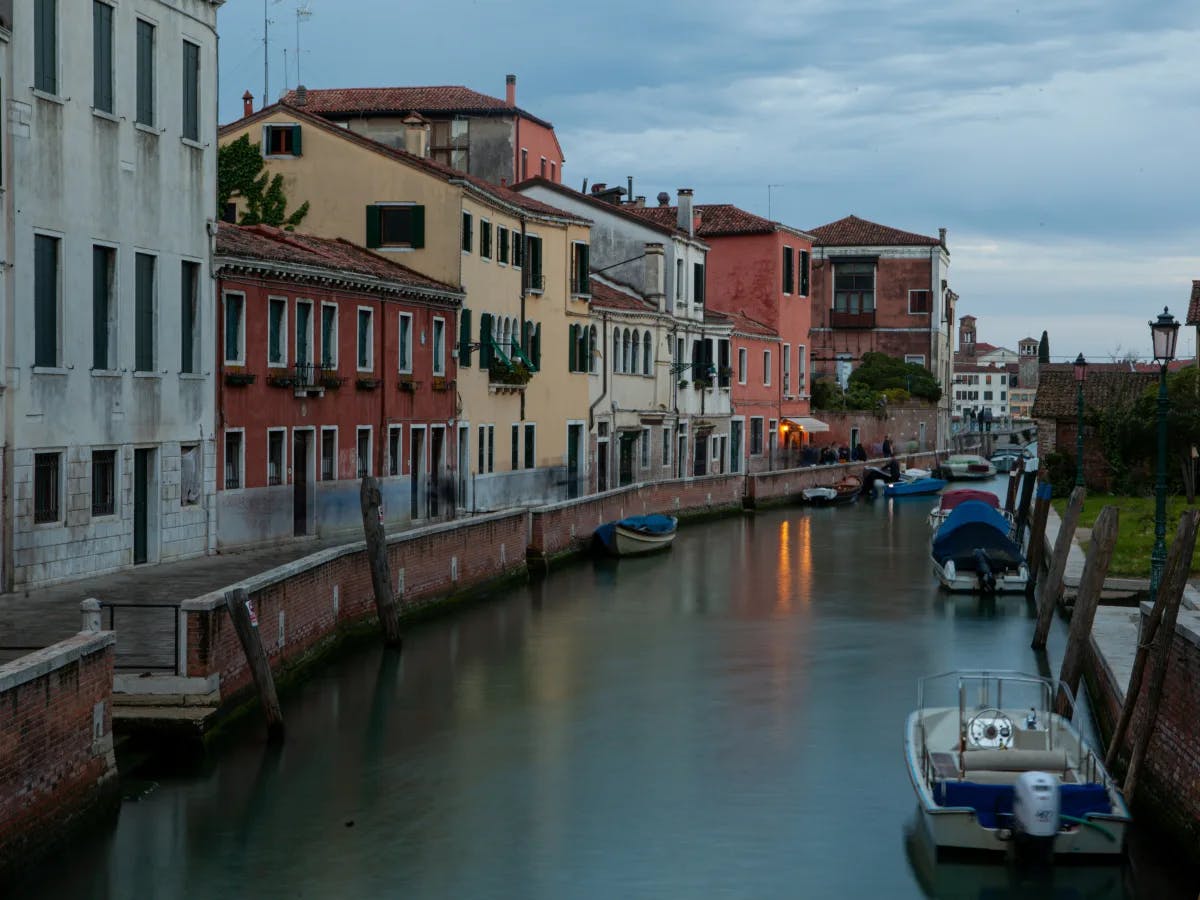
{"points": [[108, 342]]}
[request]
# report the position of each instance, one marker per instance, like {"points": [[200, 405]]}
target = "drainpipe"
{"points": [[379, 444], [603, 371], [525, 276]]}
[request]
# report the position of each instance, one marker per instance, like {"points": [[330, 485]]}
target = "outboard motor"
{"points": [[1035, 816], [983, 571]]}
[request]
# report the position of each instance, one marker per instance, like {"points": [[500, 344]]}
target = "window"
{"points": [[328, 454], [542, 168], [191, 91], [580, 269], [104, 265], [396, 225], [233, 460], [789, 273], [593, 351], [773, 435], [1003, 379], [405, 347], [918, 358], [366, 346], [189, 474], [743, 366], [698, 283], [756, 436], [304, 333], [530, 445], [987, 395], [803, 273], [666, 446], [104, 482], [854, 287], [277, 331], [102, 56], [534, 254], [449, 143], [918, 302], [524, 163], [801, 368], [395, 464], [766, 367], [144, 303], [145, 73], [189, 317], [362, 452], [467, 240], [553, 170], [329, 320], [481, 463], [276, 437], [281, 140], [647, 353], [785, 359], [502, 244], [235, 308], [644, 450], [45, 45], [515, 457], [46, 299], [439, 346], [679, 279], [1004, 395], [518, 250], [616, 350], [46, 504], [485, 239], [487, 439]]}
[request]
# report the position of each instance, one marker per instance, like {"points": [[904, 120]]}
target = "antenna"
{"points": [[303, 13], [266, 100], [769, 188]]}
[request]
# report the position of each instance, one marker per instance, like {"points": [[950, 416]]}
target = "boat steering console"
{"points": [[990, 729]]}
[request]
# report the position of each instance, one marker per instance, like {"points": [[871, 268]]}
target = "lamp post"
{"points": [[1080, 375], [1164, 332]]}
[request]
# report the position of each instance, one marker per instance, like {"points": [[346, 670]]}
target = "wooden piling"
{"points": [[1037, 528], [1014, 481], [1049, 590], [1158, 633], [371, 502], [1027, 484], [237, 602], [1091, 584]]}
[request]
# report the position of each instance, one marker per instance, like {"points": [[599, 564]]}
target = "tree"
{"points": [[1044, 350], [240, 173], [1183, 424], [880, 372]]}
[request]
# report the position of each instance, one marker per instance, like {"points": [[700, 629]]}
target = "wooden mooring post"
{"points": [[1158, 633], [1037, 528], [1091, 585], [1027, 484], [245, 623], [371, 501], [1014, 481], [1049, 590]]}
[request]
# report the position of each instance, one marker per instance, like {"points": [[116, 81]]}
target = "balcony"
{"points": [[839, 319]]}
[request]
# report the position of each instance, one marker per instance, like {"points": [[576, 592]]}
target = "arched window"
{"points": [[616, 354], [635, 347], [646, 354], [505, 334], [592, 349], [626, 351]]}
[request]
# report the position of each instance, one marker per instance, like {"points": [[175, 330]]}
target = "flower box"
{"points": [[239, 378], [366, 384]]}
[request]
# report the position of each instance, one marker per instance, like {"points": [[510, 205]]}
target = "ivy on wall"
{"points": [[241, 173]]}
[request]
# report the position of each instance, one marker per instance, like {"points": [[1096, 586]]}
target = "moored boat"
{"points": [[914, 487], [967, 466], [951, 499], [636, 535], [995, 768], [973, 551], [845, 490]]}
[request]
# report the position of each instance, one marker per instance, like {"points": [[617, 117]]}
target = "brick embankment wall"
{"points": [[304, 604], [57, 766], [767, 488], [568, 526]]}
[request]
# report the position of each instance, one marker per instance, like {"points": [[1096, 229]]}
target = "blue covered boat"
{"points": [[917, 486], [973, 550], [637, 534]]}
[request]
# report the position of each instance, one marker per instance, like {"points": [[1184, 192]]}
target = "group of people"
{"points": [[833, 452]]}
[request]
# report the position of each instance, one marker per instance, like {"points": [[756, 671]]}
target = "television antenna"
{"points": [[303, 14], [266, 100], [770, 187]]}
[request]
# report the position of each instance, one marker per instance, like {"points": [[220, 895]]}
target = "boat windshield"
{"points": [[972, 691]]}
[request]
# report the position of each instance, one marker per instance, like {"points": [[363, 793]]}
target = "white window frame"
{"points": [[402, 344], [743, 364], [680, 281], [240, 360], [311, 337], [283, 332], [358, 430], [918, 358], [399, 457], [333, 358], [785, 364], [370, 367], [913, 312], [283, 466], [241, 459], [802, 368], [438, 346], [766, 368], [321, 453]]}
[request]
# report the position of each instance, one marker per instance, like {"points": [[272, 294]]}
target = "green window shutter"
{"points": [[464, 338], [418, 227], [804, 273], [467, 241], [374, 236], [45, 50], [100, 302], [537, 346], [698, 283], [535, 262], [572, 347], [585, 269], [788, 276], [485, 340], [295, 140]]}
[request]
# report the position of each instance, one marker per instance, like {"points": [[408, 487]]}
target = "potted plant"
{"points": [[701, 383], [366, 383], [683, 383], [280, 380], [330, 380], [239, 377], [407, 384]]}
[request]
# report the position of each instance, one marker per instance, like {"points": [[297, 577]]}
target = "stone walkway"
{"points": [[39, 617]]}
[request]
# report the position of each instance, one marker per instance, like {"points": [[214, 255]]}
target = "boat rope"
{"points": [[1088, 822]]}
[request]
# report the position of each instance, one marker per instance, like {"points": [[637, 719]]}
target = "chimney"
{"points": [[663, 198], [942, 237], [598, 187], [684, 218], [247, 104], [510, 90], [639, 201], [653, 288], [416, 135], [300, 97]]}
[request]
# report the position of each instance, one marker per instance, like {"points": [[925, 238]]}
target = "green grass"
{"points": [[1135, 534]]}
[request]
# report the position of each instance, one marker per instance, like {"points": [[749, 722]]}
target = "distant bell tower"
{"points": [[1027, 352], [966, 335]]}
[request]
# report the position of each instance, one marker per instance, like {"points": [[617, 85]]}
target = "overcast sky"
{"points": [[1056, 140]]}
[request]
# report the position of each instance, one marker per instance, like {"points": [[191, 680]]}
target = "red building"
{"points": [[334, 363]]}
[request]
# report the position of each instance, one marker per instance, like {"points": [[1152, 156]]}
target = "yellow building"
{"points": [[520, 435]]}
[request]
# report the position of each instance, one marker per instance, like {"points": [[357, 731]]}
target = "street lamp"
{"points": [[1164, 332], [1080, 375]]}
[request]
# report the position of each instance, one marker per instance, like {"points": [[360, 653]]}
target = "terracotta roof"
{"points": [[269, 244], [712, 317], [658, 223], [503, 194], [607, 297], [1106, 385], [1193, 314], [380, 101], [747, 325], [716, 219], [855, 232]]}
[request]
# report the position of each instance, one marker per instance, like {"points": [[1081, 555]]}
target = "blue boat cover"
{"points": [[975, 526], [969, 512], [917, 486], [652, 524]]}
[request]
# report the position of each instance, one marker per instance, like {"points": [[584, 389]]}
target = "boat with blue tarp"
{"points": [[914, 487], [635, 535], [973, 550]]}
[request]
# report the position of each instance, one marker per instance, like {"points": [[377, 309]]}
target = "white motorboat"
{"points": [[974, 550], [967, 465], [994, 768]]}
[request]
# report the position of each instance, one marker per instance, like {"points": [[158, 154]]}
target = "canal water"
{"points": [[724, 720]]}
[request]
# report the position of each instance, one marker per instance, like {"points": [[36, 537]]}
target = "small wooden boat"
{"points": [[845, 490], [967, 465], [636, 535], [995, 768], [973, 551]]}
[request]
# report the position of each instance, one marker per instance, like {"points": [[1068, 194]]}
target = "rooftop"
{"points": [[855, 232], [657, 223], [1106, 385], [606, 296], [385, 101]]}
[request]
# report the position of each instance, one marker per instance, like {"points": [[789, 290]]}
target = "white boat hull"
{"points": [[634, 543], [968, 582]]}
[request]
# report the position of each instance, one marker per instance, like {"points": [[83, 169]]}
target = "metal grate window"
{"points": [[328, 455], [364, 452], [45, 487], [104, 482], [275, 458], [233, 459]]}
